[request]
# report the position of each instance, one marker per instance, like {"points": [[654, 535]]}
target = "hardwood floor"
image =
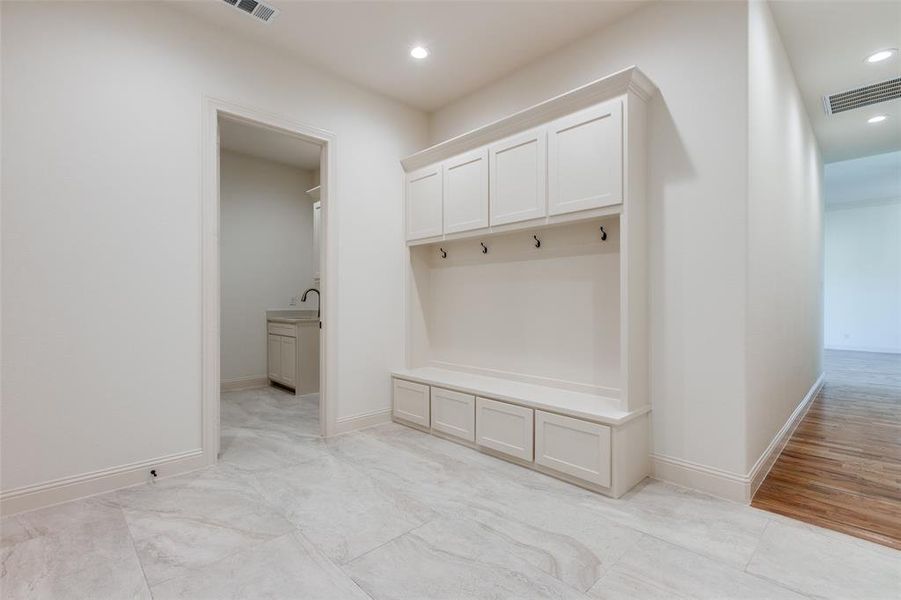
{"points": [[842, 467]]}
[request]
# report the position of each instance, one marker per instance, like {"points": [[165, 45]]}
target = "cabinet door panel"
{"points": [[275, 357], [573, 446], [518, 176], [424, 203], [289, 360], [466, 192], [453, 413], [411, 402], [585, 159], [504, 427]]}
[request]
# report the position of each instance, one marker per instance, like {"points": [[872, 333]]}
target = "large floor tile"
{"points": [[724, 530], [340, 508], [454, 559], [286, 568], [54, 519], [257, 450], [827, 564], [90, 560], [658, 570], [187, 522]]}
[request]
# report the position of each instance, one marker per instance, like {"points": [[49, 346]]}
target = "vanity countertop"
{"points": [[291, 316]]}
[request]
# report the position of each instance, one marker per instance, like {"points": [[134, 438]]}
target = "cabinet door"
{"points": [[275, 357], [573, 446], [317, 238], [289, 361], [454, 413], [503, 427], [466, 191], [585, 159], [424, 203], [517, 173], [411, 402]]}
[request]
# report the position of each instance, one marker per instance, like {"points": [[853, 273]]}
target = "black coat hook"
{"points": [[603, 234], [537, 241], [484, 248], [443, 252]]}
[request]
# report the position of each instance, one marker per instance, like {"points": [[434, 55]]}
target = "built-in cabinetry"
{"points": [[571, 164], [527, 297], [293, 353]]}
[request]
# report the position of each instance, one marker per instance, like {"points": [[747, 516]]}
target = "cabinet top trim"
{"points": [[631, 79]]}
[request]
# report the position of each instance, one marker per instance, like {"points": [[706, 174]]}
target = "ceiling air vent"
{"points": [[865, 96], [254, 8]]}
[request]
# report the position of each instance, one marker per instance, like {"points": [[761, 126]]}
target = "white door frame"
{"points": [[210, 293]]}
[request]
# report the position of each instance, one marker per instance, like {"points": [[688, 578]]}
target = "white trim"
{"points": [[766, 461], [726, 484], [865, 349], [210, 386], [98, 482], [630, 79], [717, 482], [243, 383], [363, 420]]}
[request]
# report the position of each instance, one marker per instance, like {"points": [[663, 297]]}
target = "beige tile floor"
{"points": [[394, 513]]}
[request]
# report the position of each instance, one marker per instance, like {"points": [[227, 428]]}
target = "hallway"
{"points": [[842, 467]]}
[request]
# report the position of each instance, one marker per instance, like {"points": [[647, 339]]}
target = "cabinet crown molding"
{"points": [[630, 79]]}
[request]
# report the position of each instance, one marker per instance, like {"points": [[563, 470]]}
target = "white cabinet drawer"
{"points": [[573, 446], [503, 427], [283, 329], [411, 402], [454, 413]]}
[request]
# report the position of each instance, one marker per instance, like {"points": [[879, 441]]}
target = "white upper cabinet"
{"points": [[585, 159], [466, 191], [518, 167], [424, 203]]}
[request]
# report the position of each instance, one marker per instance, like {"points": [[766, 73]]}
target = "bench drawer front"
{"points": [[505, 428], [411, 402], [454, 413], [573, 446], [283, 329]]}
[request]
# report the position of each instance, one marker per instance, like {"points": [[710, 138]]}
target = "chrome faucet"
{"points": [[318, 297]]}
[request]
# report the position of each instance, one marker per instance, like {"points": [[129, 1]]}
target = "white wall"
{"points": [[266, 254], [863, 276], [696, 53], [528, 313], [102, 108], [785, 223]]}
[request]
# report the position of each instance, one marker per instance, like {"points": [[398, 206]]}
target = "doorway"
{"points": [[275, 287]]}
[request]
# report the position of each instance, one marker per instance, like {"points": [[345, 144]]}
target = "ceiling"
{"points": [[471, 43], [268, 144], [827, 43], [863, 179]]}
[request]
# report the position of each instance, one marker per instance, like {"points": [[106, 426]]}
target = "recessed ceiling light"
{"points": [[877, 119], [882, 55], [419, 52]]}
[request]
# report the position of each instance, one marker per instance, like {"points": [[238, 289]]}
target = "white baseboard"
{"points": [[363, 420], [725, 484], [243, 383], [716, 482], [766, 461], [865, 349], [97, 482]]}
